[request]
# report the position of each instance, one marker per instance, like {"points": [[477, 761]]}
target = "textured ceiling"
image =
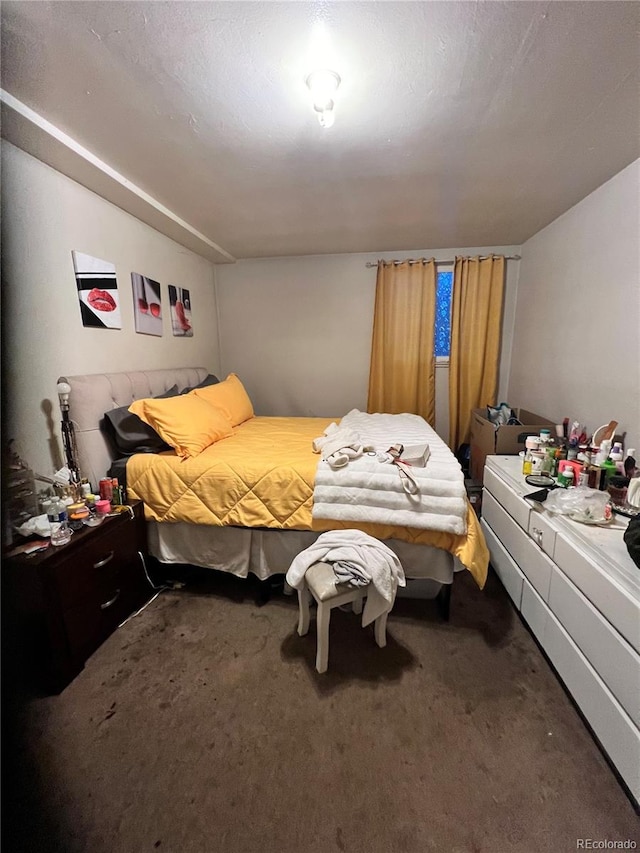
{"points": [[457, 123]]}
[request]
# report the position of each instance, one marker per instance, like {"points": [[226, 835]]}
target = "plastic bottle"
{"points": [[566, 477], [583, 480], [616, 456], [537, 460], [531, 443], [609, 467], [58, 522], [584, 454], [603, 451], [545, 438], [629, 463], [549, 462]]}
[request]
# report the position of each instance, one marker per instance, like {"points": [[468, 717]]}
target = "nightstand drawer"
{"points": [[88, 574], [88, 624]]}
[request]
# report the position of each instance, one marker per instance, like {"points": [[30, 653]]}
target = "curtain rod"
{"points": [[418, 260]]}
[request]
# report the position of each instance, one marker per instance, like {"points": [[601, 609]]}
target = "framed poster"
{"points": [[180, 305], [97, 292], [147, 305]]}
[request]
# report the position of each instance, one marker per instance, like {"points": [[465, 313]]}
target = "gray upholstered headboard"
{"points": [[94, 394]]}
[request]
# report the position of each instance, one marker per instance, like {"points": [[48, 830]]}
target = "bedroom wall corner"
{"points": [[217, 306], [45, 216], [576, 342]]}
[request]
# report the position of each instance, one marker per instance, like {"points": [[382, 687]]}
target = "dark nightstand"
{"points": [[61, 604]]}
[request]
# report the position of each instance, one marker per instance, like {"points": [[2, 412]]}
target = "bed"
{"points": [[199, 512]]}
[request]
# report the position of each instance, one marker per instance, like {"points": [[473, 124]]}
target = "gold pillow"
{"points": [[228, 396], [186, 423]]}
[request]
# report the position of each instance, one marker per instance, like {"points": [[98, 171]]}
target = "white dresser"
{"points": [[578, 589]]}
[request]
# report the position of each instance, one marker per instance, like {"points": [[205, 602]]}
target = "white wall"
{"points": [[44, 217], [576, 350], [298, 330]]}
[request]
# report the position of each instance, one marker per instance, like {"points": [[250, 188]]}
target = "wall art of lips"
{"points": [[101, 300]]}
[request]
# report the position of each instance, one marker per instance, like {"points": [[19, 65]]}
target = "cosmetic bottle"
{"points": [[609, 469], [616, 455], [603, 451], [532, 443], [565, 478]]}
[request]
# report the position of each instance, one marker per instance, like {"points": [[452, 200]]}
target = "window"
{"points": [[442, 332]]}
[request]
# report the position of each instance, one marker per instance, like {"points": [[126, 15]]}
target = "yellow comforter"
{"points": [[263, 476]]}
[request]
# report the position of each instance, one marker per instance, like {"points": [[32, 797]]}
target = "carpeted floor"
{"points": [[201, 726]]}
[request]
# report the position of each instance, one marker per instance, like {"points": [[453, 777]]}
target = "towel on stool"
{"points": [[350, 573], [372, 559]]}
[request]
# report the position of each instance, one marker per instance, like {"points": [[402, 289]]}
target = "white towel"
{"points": [[338, 446], [370, 556]]}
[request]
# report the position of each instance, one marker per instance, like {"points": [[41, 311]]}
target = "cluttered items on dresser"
{"points": [[600, 475]]}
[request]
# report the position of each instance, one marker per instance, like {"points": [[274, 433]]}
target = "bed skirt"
{"points": [[264, 552]]}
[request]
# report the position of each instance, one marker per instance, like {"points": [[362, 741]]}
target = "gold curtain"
{"points": [[402, 374], [476, 323]]}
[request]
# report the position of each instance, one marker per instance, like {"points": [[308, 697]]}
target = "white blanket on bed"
{"points": [[368, 490]]}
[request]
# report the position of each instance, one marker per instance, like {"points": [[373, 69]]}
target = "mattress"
{"points": [[262, 476]]}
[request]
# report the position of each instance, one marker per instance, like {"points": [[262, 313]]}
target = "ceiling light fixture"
{"points": [[323, 85]]}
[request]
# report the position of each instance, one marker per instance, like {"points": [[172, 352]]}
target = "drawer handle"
{"points": [[104, 562], [111, 601], [537, 534]]}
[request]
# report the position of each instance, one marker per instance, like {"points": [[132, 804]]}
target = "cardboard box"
{"points": [[486, 439]]}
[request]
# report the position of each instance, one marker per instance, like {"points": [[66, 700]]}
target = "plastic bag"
{"points": [[499, 415], [583, 504], [502, 414], [38, 525]]}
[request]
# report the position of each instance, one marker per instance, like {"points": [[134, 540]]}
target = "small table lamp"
{"points": [[68, 432]]}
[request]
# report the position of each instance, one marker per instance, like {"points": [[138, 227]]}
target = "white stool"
{"points": [[320, 582]]}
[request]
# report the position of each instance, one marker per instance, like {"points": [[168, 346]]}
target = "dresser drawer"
{"points": [[514, 504], [503, 565], [617, 664], [615, 603], [542, 532], [534, 611], [612, 725], [535, 565]]}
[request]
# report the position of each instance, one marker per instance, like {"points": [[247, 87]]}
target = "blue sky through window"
{"points": [[443, 314]]}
